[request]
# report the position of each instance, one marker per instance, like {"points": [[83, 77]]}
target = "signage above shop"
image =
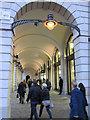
{"points": [[4, 14]]}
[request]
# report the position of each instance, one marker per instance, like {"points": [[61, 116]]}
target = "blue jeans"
{"points": [[34, 112], [76, 118], [48, 111]]}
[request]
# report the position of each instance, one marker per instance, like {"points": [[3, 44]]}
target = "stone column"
{"points": [[13, 76], [6, 56], [89, 59], [81, 49], [52, 74], [46, 69], [63, 72], [23, 76], [8, 11], [16, 77]]}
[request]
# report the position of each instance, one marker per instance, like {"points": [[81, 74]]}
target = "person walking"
{"points": [[39, 82], [29, 82], [45, 97], [48, 84], [27, 77], [21, 91], [77, 103], [43, 80], [60, 85], [82, 88], [35, 96]]}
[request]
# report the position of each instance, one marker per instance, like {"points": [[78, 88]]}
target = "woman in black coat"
{"points": [[22, 91], [45, 97], [82, 88]]}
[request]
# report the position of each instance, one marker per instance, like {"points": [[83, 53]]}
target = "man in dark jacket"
{"points": [[77, 103], [60, 85], [29, 82], [21, 91], [35, 96], [48, 84]]}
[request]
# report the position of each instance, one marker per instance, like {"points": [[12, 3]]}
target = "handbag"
{"points": [[46, 102], [51, 105], [17, 96]]}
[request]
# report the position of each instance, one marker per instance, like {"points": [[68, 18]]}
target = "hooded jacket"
{"points": [[77, 103]]}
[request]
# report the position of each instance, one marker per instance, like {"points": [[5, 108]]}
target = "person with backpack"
{"points": [[77, 103], [45, 97], [21, 91], [48, 84]]}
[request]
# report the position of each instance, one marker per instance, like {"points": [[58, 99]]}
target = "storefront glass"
{"points": [[70, 63]]}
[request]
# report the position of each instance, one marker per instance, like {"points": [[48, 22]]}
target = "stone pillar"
{"points": [[89, 58], [81, 50], [53, 77], [51, 74], [65, 75], [13, 76], [23, 76], [16, 77], [6, 56], [46, 70], [19, 76], [63, 72]]}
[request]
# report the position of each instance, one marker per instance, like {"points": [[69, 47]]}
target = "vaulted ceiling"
{"points": [[35, 44]]}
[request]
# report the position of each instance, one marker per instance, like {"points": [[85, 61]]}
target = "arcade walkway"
{"points": [[61, 107]]}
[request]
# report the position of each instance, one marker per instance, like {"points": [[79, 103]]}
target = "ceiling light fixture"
{"points": [[50, 23]]}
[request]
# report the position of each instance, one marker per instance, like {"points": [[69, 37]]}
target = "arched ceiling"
{"points": [[34, 44]]}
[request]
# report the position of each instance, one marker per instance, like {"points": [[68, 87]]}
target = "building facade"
{"points": [[60, 52]]}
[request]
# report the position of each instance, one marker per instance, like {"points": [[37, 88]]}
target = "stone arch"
{"points": [[73, 12], [62, 8], [66, 9]]}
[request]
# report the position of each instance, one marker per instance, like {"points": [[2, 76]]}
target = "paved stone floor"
{"points": [[61, 107]]}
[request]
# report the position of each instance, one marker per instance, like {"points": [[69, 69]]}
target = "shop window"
{"points": [[70, 63], [57, 68]]}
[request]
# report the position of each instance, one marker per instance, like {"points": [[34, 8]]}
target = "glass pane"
{"points": [[68, 52], [72, 70], [69, 85], [71, 46], [57, 56], [57, 78], [59, 71]]}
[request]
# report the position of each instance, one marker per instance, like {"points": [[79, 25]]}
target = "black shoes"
{"points": [[29, 119]]}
